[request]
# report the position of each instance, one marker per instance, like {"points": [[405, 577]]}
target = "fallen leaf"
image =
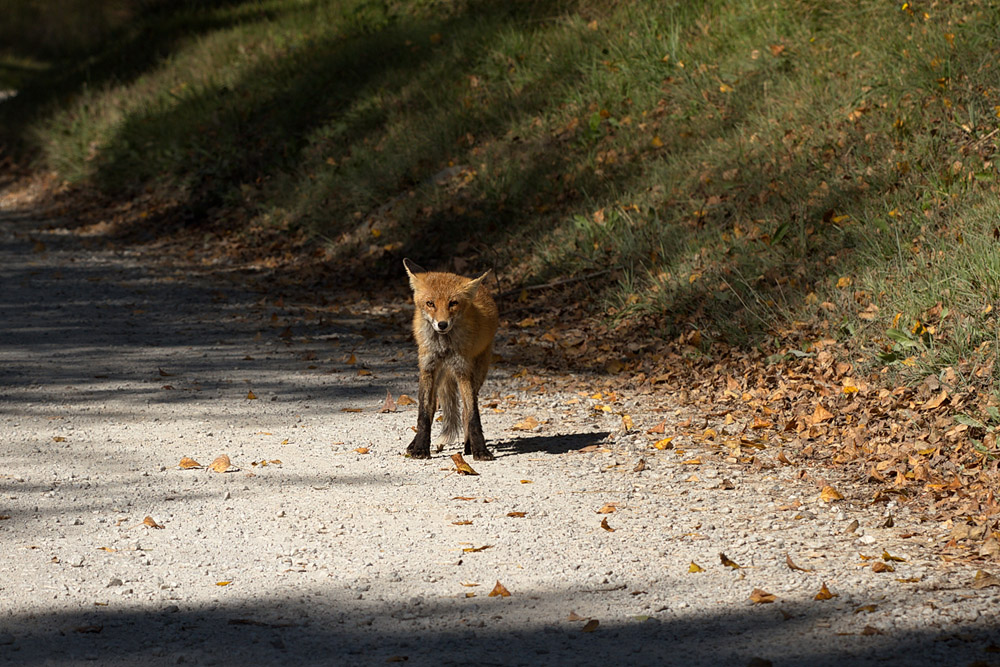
{"points": [[149, 521], [475, 550], [464, 522], [870, 608], [573, 616], [882, 567], [110, 550], [468, 584], [526, 425], [692, 462], [825, 594], [830, 494], [727, 562], [694, 567], [658, 429], [526, 481], [605, 526], [793, 566], [607, 509], [251, 396], [984, 580], [361, 450], [389, 405], [187, 463], [784, 459], [220, 464], [935, 401], [58, 438], [640, 466], [759, 596], [663, 444], [590, 625], [499, 590], [462, 467], [516, 514], [820, 414], [886, 556], [464, 498], [223, 583], [350, 409], [405, 400]]}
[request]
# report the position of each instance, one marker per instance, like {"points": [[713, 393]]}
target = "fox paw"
{"points": [[415, 451]]}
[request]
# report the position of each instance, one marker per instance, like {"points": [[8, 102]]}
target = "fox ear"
{"points": [[412, 270], [473, 285]]}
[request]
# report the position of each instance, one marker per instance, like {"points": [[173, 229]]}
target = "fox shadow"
{"points": [[549, 444]]}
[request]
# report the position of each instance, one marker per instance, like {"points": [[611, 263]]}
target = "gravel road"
{"points": [[322, 544]]}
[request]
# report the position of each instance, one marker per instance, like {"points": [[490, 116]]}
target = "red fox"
{"points": [[454, 325]]}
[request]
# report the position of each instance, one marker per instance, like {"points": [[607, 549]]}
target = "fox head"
{"points": [[441, 298]]}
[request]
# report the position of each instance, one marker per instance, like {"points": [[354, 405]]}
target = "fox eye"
{"points": [[430, 304], [452, 303]]}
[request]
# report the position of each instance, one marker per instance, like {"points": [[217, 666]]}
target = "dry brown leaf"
{"points": [[728, 563], [526, 425], [389, 405], [784, 459], [605, 526], [187, 463], [499, 590], [793, 566], [820, 414], [361, 450], [464, 498], [405, 400], [882, 567], [640, 466], [825, 594], [464, 522], [251, 396], [573, 616], [58, 438], [526, 481], [830, 494], [150, 522], [886, 556], [475, 550], [984, 580], [935, 401], [462, 467], [759, 596], [516, 514], [350, 409], [590, 625], [220, 464], [658, 429], [607, 509]]}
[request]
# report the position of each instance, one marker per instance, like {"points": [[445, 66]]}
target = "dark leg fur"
{"points": [[475, 443], [420, 446]]}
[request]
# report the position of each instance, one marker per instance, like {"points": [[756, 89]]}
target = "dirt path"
{"points": [[113, 367]]}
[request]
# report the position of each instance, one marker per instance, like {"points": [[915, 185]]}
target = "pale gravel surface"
{"points": [[337, 557]]}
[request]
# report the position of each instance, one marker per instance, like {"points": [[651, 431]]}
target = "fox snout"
{"points": [[442, 326]]}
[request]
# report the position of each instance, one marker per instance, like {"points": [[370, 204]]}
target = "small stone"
{"points": [[114, 582]]}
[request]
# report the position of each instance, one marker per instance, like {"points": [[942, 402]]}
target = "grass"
{"points": [[741, 166]]}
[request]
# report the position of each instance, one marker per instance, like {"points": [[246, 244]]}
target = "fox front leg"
{"points": [[420, 446], [475, 441]]}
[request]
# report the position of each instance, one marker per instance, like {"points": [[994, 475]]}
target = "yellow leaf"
{"points": [[462, 467], [361, 450], [251, 396], [664, 443], [627, 422], [187, 463], [526, 481], [692, 462], [405, 400], [694, 567], [844, 281], [886, 556], [830, 494], [223, 583], [607, 509], [499, 590], [151, 522], [825, 594], [759, 596], [58, 438], [526, 425], [658, 143], [725, 88], [220, 464]]}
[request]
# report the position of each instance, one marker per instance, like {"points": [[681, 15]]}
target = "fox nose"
{"points": [[442, 325]]}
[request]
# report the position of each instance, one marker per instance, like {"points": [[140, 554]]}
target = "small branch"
{"points": [[556, 283]]}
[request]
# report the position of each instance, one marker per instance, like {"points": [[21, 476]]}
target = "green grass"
{"points": [[743, 166]]}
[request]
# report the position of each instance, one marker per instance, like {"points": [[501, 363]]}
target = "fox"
{"points": [[454, 323]]}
